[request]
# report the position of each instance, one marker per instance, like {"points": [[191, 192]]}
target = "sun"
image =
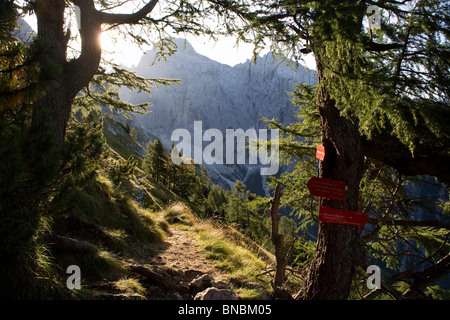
{"points": [[117, 50]]}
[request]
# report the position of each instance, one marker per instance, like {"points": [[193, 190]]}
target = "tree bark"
{"points": [[77, 73], [58, 242], [339, 247], [72, 75], [278, 241]]}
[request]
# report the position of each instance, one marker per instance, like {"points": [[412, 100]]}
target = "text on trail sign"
{"points": [[327, 188], [331, 215]]}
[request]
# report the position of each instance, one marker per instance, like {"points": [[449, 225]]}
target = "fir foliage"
{"points": [[396, 237]]}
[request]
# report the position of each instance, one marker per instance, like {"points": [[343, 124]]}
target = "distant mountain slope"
{"points": [[24, 31], [220, 96]]}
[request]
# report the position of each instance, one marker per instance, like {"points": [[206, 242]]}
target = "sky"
{"points": [[224, 50]]}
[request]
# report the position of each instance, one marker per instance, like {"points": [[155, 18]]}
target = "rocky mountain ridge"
{"points": [[220, 96]]}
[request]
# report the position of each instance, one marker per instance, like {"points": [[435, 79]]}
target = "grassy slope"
{"points": [[123, 221], [227, 249], [119, 141]]}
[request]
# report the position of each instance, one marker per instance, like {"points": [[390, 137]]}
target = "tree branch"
{"points": [[381, 47], [427, 277], [130, 18], [427, 159], [423, 223]]}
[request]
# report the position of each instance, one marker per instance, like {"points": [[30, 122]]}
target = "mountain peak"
{"points": [[184, 46]]}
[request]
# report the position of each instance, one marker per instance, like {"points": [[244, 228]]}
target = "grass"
{"points": [[239, 262], [94, 266], [119, 218], [104, 215], [179, 213], [131, 286], [242, 264], [31, 276], [27, 270], [223, 247], [119, 141]]}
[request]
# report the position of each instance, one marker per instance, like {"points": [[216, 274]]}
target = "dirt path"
{"points": [[179, 252], [179, 261]]}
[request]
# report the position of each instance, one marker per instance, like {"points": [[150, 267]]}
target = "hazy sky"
{"points": [[224, 51]]}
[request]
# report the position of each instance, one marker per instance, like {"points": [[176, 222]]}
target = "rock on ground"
{"points": [[216, 294], [201, 283]]}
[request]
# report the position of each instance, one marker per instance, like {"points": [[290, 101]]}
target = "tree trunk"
{"points": [[50, 22], [77, 73], [72, 75], [278, 241], [339, 247]]}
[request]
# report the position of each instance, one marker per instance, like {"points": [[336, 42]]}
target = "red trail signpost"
{"points": [[341, 216], [333, 190], [327, 188], [320, 153]]}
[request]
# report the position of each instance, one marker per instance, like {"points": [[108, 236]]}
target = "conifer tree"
{"points": [[210, 205], [35, 178], [156, 161], [382, 93], [386, 196], [151, 24], [216, 202]]}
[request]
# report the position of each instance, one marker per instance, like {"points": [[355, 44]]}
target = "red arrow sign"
{"points": [[327, 188], [353, 218], [320, 153]]}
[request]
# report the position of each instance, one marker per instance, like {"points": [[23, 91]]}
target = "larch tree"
{"points": [[153, 20], [36, 182], [41, 83], [73, 74], [382, 93]]}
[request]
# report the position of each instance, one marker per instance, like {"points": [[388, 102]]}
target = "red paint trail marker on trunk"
{"points": [[327, 188], [320, 152], [353, 218]]}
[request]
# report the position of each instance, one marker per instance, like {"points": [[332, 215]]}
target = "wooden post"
{"points": [[278, 241]]}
